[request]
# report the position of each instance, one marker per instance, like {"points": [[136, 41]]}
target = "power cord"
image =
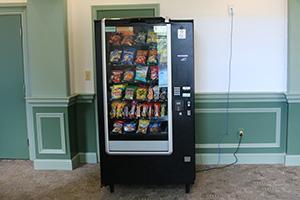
{"points": [[227, 103], [228, 165]]}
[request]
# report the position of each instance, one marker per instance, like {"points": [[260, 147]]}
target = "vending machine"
{"points": [[145, 95]]}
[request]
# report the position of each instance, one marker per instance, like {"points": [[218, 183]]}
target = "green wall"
{"points": [[48, 48]]}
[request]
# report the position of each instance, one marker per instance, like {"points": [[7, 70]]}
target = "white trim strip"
{"points": [[243, 158], [292, 160]]}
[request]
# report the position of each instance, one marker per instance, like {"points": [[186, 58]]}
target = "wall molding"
{"points": [[293, 98], [85, 98], [276, 144], [61, 118], [243, 158], [292, 160], [88, 157], [239, 97]]}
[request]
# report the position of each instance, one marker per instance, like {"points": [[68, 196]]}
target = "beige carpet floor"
{"points": [[18, 180]]}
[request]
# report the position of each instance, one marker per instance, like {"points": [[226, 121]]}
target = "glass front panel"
{"points": [[137, 81]]}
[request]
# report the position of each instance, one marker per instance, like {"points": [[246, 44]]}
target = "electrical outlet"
{"points": [[241, 132], [230, 9], [87, 75]]}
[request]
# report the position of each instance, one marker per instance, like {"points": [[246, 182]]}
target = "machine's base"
{"points": [[187, 188]]}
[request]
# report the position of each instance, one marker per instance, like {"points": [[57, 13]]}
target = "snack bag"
{"points": [[128, 75], [163, 110], [128, 56], [141, 73], [115, 39], [152, 58], [163, 93], [156, 92], [141, 93], [151, 37], [150, 110], [118, 126], [127, 40], [141, 38], [141, 57], [113, 111], [120, 112], [129, 92], [156, 109], [138, 110], [126, 111], [117, 91], [150, 95], [132, 110], [154, 73], [129, 127], [115, 56], [143, 126], [154, 128], [116, 76], [144, 110]]}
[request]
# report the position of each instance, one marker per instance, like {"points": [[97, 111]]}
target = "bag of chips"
{"points": [[154, 128], [156, 109], [151, 37], [141, 73], [163, 110], [117, 127], [128, 75], [115, 39], [126, 111], [129, 127], [113, 111], [128, 40], [152, 58], [141, 38], [115, 56], [128, 56], [143, 126], [150, 110], [144, 110], [150, 95], [156, 92], [117, 91], [163, 93], [116, 76], [138, 110], [154, 73], [141, 57], [132, 110], [120, 111], [141, 93], [129, 92]]}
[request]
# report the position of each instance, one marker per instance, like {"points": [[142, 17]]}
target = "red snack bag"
{"points": [[116, 76], [150, 110], [115, 39], [141, 57], [156, 109], [154, 73]]}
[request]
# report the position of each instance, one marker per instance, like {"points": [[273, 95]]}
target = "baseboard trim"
{"points": [[292, 160], [53, 164], [243, 158], [88, 157], [65, 164]]}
